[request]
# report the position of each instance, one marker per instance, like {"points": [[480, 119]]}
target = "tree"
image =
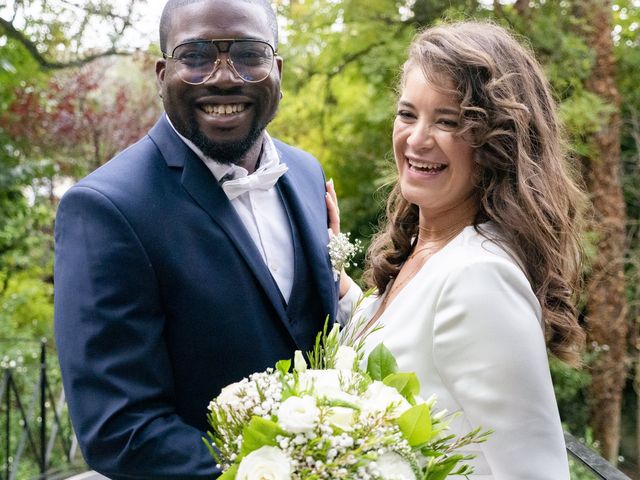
{"points": [[55, 120], [606, 296], [39, 36], [85, 116], [20, 221], [55, 33], [627, 17], [574, 41]]}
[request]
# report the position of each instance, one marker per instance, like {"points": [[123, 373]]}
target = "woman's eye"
{"points": [[404, 114], [447, 124]]}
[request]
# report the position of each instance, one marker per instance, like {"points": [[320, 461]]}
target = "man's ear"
{"points": [[161, 67], [279, 64]]}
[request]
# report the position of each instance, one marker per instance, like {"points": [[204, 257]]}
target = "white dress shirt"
{"points": [[262, 212]]}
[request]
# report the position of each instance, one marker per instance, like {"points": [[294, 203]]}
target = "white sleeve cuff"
{"points": [[347, 303]]}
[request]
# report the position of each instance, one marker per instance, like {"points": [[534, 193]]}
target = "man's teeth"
{"points": [[223, 109], [427, 167]]}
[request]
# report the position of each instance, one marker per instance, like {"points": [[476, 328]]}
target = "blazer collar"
{"points": [[202, 186], [174, 151], [313, 235]]}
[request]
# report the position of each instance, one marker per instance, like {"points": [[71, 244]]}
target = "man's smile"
{"points": [[224, 109]]}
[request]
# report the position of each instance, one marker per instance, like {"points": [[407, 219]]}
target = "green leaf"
{"points": [[214, 453], [230, 474], [381, 363], [258, 433], [440, 470], [283, 366], [407, 385], [415, 424]]}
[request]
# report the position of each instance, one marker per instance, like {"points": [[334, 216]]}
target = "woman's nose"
{"points": [[421, 136]]}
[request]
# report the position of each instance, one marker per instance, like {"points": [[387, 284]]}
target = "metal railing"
{"points": [[598, 466], [34, 425], [41, 423]]}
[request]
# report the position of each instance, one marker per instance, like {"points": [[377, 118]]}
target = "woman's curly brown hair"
{"points": [[525, 183]]}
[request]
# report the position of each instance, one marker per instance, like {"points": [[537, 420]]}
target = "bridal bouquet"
{"points": [[330, 419]]}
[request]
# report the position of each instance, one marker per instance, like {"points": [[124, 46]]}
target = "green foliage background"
{"points": [[342, 61]]}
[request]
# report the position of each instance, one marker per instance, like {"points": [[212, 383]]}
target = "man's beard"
{"points": [[225, 152]]}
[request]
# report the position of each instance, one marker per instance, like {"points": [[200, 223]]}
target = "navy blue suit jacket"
{"points": [[162, 298]]}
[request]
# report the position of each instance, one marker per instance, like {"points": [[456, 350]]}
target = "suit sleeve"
{"points": [[489, 349], [109, 328]]}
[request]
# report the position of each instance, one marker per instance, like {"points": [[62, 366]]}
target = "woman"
{"points": [[479, 258]]}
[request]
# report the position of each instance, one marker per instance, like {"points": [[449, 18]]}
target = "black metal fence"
{"points": [[37, 441], [597, 466]]}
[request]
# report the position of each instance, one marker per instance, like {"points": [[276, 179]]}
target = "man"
{"points": [[172, 281]]}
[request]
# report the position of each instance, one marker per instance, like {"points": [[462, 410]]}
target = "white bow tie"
{"points": [[259, 180]]}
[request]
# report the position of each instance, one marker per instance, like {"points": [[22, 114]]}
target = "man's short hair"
{"points": [[171, 5]]}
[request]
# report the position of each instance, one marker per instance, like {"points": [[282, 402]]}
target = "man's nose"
{"points": [[224, 74]]}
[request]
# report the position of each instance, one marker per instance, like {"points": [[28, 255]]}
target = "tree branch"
{"points": [[91, 10], [44, 63], [352, 57]]}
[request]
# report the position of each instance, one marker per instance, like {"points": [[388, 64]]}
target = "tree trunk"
{"points": [[636, 387], [606, 302], [522, 7], [634, 254]]}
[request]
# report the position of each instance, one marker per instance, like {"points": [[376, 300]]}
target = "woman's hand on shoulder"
{"points": [[333, 214]]}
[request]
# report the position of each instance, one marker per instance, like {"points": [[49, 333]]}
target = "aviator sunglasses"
{"points": [[197, 60]]}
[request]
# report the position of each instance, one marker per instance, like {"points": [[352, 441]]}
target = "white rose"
{"points": [[265, 463], [341, 417], [345, 358], [391, 466], [321, 380], [298, 414], [378, 397], [326, 384]]}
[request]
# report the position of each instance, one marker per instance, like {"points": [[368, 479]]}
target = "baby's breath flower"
{"points": [[342, 251]]}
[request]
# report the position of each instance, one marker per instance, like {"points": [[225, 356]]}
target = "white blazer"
{"points": [[469, 325]]}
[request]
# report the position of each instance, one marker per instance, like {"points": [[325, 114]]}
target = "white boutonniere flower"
{"points": [[342, 252]]}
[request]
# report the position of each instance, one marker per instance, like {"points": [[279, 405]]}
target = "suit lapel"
{"points": [[201, 185], [313, 241]]}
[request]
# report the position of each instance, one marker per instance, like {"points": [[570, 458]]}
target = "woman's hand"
{"points": [[334, 229]]}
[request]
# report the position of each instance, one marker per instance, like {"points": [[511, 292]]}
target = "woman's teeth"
{"points": [[427, 167], [223, 109]]}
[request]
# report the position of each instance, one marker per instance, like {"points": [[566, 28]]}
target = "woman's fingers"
{"points": [[332, 208], [331, 190]]}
